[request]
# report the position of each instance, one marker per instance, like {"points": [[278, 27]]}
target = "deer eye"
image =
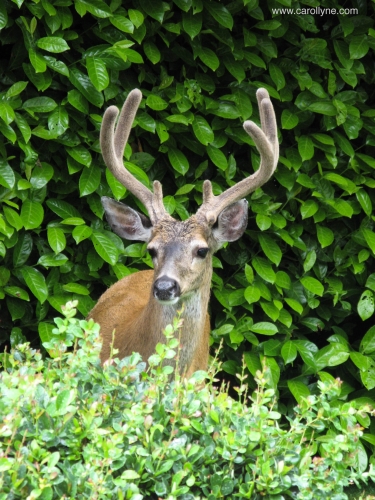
{"points": [[152, 252], [202, 252]]}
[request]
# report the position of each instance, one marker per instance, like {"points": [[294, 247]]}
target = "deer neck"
{"points": [[194, 308]]}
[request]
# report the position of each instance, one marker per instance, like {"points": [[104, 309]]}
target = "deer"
{"points": [[136, 310]]}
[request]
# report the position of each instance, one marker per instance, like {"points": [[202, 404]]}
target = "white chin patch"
{"points": [[168, 302]]}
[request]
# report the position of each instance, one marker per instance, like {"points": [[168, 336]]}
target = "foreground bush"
{"points": [[72, 429]]}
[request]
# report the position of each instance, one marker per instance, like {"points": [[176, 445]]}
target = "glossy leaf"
{"points": [[312, 285], [56, 239], [202, 130], [299, 390], [89, 180], [97, 72], [53, 44], [366, 305], [178, 160], [36, 282], [32, 214], [104, 247]]}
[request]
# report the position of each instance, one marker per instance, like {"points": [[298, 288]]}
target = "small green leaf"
{"points": [[298, 389], [264, 269], [178, 160], [7, 177], [122, 23], [305, 147], [13, 218], [277, 75], [56, 239], [289, 352], [295, 305], [370, 238], [36, 282], [366, 305], [202, 130], [309, 208], [132, 474], [3, 16], [81, 155], [52, 260], [37, 61], [117, 188], [325, 236], [209, 58], [312, 285], [235, 68], [97, 72], [104, 247], [32, 214], [89, 180], [62, 208], [96, 7], [77, 100], [153, 9], [283, 280], [83, 83], [81, 233], [365, 201], [367, 345], [192, 23], [217, 157], [309, 260], [156, 103], [186, 188], [17, 292], [52, 44], [76, 288], [263, 222], [40, 104], [58, 120], [270, 248], [358, 47], [152, 52], [136, 17], [55, 65], [289, 120], [220, 13], [255, 60], [252, 294], [23, 127], [264, 328], [249, 273]]}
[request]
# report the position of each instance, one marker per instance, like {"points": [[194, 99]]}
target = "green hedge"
{"points": [[70, 428], [298, 288]]}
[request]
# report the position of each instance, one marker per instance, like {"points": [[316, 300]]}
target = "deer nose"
{"points": [[166, 289]]}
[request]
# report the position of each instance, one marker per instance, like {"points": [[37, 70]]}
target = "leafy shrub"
{"points": [[71, 428], [298, 289]]}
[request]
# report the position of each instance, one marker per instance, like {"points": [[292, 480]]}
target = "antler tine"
{"points": [[113, 141], [266, 141]]}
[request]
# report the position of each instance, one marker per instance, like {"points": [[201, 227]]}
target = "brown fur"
{"points": [[127, 308]]}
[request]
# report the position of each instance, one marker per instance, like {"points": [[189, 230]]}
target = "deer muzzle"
{"points": [[166, 289]]}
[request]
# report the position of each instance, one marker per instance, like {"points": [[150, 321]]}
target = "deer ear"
{"points": [[126, 222], [231, 223]]}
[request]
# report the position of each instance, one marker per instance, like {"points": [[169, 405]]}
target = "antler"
{"points": [[113, 141], [266, 141]]}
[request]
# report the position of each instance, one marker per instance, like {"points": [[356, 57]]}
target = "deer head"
{"points": [[182, 250]]}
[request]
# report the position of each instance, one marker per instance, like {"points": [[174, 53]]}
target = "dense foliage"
{"points": [[298, 288], [71, 428]]}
